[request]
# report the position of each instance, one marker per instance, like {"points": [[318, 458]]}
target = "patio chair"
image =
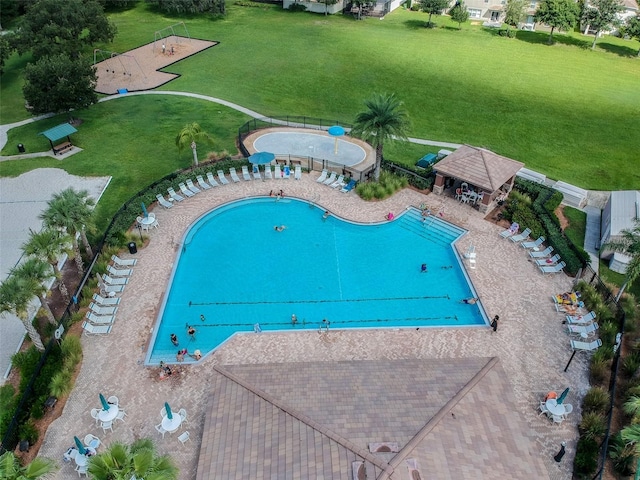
{"points": [[541, 254], [286, 172], [557, 419], [108, 289], [143, 225], [581, 319], [256, 173], [174, 195], [203, 185], [234, 175], [184, 437], [245, 173], [298, 174], [267, 172], [520, 237], [90, 329], [548, 262], [277, 172], [94, 414], [322, 177], [130, 262], [568, 408], [212, 180], [536, 244], [163, 412], [586, 346], [331, 179], [554, 269], [100, 319], [589, 329], [543, 408], [163, 202], [82, 470], [183, 415], [119, 272], [154, 222], [113, 400], [160, 430], [192, 187], [105, 301], [121, 414], [185, 191], [107, 426], [349, 186], [114, 280], [92, 441], [103, 310], [222, 178], [339, 183]]}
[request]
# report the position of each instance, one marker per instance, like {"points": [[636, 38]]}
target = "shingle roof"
{"points": [[313, 420], [479, 167]]}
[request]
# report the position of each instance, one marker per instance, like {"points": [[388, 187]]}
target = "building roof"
{"points": [[479, 167], [58, 132], [443, 418], [625, 207]]}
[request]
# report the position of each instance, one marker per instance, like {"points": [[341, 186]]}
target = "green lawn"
{"points": [[564, 110], [577, 227]]}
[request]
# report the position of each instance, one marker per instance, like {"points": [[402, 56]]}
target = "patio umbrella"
{"points": [[81, 449], [144, 210], [103, 401], [562, 396], [168, 409], [336, 131], [261, 158]]}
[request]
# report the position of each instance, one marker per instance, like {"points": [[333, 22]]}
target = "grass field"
{"points": [[564, 110]]}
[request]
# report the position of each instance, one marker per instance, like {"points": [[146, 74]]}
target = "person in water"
{"points": [[174, 339]]}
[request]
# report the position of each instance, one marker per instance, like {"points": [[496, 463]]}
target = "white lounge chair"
{"points": [[557, 268], [256, 173], [586, 329], [267, 172], [331, 179], [586, 346], [548, 262], [521, 236], [338, 183], [212, 180], [114, 280], [277, 172], [286, 172], [298, 174], [100, 319], [544, 253], [105, 301], [192, 187], [322, 177], [185, 191], [124, 262], [174, 195], [107, 289], [122, 272], [535, 244], [163, 202], [507, 233], [234, 175], [222, 178], [581, 319], [245, 173], [91, 329], [103, 309], [203, 185]]}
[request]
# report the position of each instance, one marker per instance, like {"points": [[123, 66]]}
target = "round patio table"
{"points": [[108, 415], [171, 424], [555, 408]]}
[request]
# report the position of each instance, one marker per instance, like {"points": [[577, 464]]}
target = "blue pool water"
{"points": [[237, 271]]}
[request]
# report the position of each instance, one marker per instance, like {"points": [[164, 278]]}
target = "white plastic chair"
{"points": [[107, 426], [143, 225], [121, 414], [163, 412], [557, 419], [160, 430], [92, 441], [113, 400], [94, 414], [82, 470], [543, 408], [568, 408], [183, 414], [184, 437]]}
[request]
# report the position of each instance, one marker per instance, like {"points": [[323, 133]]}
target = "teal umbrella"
{"points": [[168, 409], [144, 210], [562, 396], [103, 401], [81, 449], [261, 158]]}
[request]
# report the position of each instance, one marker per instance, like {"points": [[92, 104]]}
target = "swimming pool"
{"points": [[310, 144], [237, 271]]}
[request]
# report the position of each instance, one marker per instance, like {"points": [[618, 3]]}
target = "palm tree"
{"points": [[631, 436], [383, 121], [10, 468], [40, 271], [72, 211], [49, 245], [138, 460], [15, 295], [189, 134], [629, 243]]}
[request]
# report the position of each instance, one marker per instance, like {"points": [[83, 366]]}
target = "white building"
{"points": [[620, 213]]}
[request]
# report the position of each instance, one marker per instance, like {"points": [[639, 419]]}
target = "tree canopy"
{"points": [[10, 468], [601, 15], [433, 7], [632, 28], [514, 12], [190, 6], [561, 14], [189, 134], [59, 83], [459, 13]]}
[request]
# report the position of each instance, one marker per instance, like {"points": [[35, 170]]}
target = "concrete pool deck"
{"points": [[531, 342]]}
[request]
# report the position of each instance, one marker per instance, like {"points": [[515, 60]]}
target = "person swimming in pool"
{"points": [[279, 228], [469, 301], [423, 268], [191, 331], [174, 339]]}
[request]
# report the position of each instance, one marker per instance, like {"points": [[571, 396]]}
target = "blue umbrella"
{"points": [[103, 401], [144, 210], [336, 131], [261, 158], [81, 449], [562, 396], [168, 409]]}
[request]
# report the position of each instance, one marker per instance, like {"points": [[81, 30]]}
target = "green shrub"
{"points": [[29, 432], [71, 346], [622, 455], [8, 403], [61, 383], [586, 460], [630, 364], [608, 331], [388, 184], [598, 369], [596, 400], [593, 425], [294, 7]]}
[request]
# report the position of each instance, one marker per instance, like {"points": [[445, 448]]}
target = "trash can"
{"points": [[132, 247], [21, 148]]}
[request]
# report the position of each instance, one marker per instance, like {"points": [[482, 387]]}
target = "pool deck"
{"points": [[531, 343]]}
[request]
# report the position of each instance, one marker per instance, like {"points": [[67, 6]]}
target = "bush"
{"points": [[630, 364], [297, 7], [586, 460], [29, 432], [596, 400], [388, 184], [622, 456], [598, 369], [593, 425], [8, 403]]}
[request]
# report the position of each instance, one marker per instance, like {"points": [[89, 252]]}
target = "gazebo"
{"points": [[490, 173], [56, 133]]}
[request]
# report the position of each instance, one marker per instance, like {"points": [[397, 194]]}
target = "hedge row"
{"points": [[420, 179]]}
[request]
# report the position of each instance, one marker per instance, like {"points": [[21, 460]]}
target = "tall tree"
{"points": [[561, 14], [383, 121], [432, 7], [53, 27], [15, 296], [39, 271], [59, 83], [189, 135], [632, 28], [459, 13], [326, 5], [629, 243], [10, 468], [601, 15], [49, 245], [72, 211], [514, 13], [138, 460], [6, 49]]}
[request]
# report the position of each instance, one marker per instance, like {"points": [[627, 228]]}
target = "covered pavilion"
{"points": [[59, 132], [492, 174]]}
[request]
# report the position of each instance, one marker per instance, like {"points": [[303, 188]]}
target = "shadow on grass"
{"points": [[415, 24], [449, 27], [622, 50]]}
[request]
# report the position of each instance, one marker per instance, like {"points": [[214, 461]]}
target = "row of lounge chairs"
{"points": [[542, 259], [333, 182], [578, 323], [102, 311]]}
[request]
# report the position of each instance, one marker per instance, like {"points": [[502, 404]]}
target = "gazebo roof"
{"points": [[480, 167], [58, 132]]}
